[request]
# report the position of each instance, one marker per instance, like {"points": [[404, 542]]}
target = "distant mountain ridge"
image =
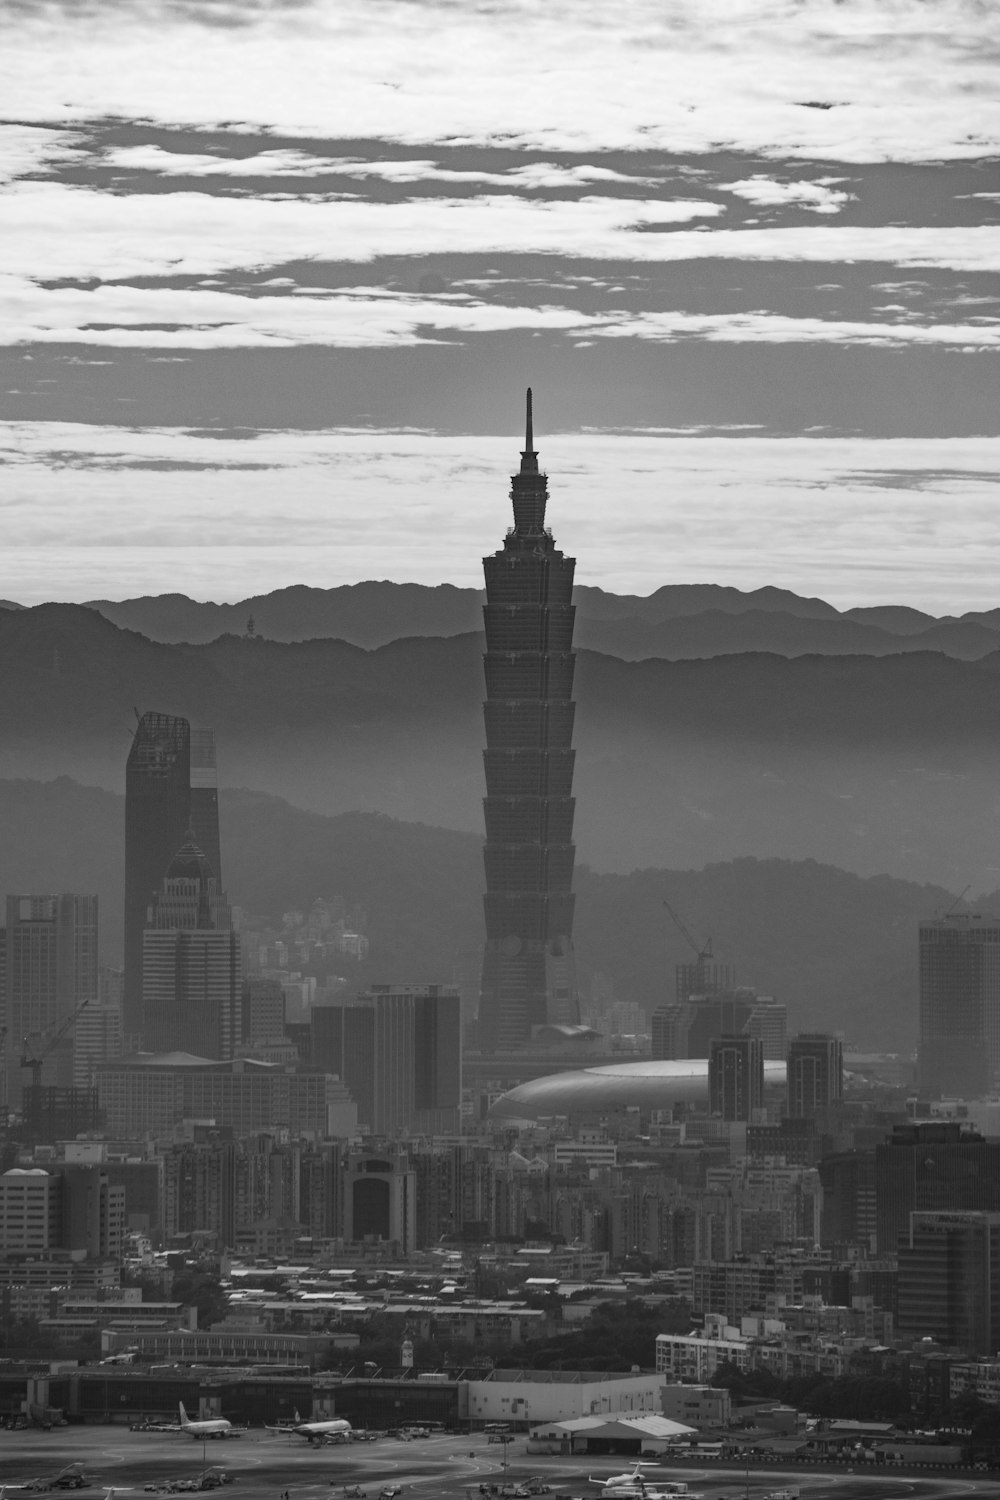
{"points": [[839, 950], [869, 764], [676, 622]]}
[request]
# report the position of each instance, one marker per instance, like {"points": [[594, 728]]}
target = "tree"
{"points": [[200, 1289]]}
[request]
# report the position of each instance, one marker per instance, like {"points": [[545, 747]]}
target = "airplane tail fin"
{"points": [[298, 1419], [184, 1416]]}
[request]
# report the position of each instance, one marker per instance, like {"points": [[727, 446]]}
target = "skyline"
{"points": [[276, 275]]}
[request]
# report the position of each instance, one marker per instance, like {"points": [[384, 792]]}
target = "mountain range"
{"points": [[782, 923], [678, 621], [875, 765]]}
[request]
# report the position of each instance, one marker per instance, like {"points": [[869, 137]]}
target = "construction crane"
{"points": [[705, 951], [35, 1060]]}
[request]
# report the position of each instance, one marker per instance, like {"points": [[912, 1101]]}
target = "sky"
{"points": [[274, 276]]}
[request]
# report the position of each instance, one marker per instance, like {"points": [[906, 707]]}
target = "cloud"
{"points": [[117, 237], [28, 149], [818, 197], [924, 479], [284, 163], [742, 510], [291, 163], [564, 76], [771, 328], [131, 317], [360, 317]]}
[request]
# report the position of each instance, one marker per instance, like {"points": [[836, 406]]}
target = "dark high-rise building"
{"points": [[398, 1049], [735, 1076], [437, 1061], [204, 805], [199, 1191], [949, 1280], [528, 972], [157, 813], [669, 1026], [262, 1010], [50, 970], [769, 1021], [706, 976], [171, 786], [848, 1181], [959, 1052], [688, 1028], [932, 1167], [815, 1073], [191, 963], [93, 1213], [50, 1113]]}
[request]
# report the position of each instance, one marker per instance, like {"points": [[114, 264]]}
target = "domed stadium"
{"points": [[651, 1084]]}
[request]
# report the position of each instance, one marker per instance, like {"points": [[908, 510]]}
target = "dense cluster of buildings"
{"points": [[219, 1093]]}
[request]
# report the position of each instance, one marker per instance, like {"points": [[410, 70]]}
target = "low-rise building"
{"points": [[223, 1346], [129, 1315], [695, 1357], [628, 1435], [698, 1405], [32, 1286], [524, 1397], [976, 1377]]}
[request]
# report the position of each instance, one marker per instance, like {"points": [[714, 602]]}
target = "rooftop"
{"points": [[559, 1377]]}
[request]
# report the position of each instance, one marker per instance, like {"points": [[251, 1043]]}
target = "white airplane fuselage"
{"points": [[335, 1430], [634, 1486], [214, 1427]]}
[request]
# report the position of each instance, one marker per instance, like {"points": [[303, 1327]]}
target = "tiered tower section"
{"points": [[528, 977]]}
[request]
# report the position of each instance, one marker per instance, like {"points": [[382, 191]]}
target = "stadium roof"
{"points": [[651, 1084]]}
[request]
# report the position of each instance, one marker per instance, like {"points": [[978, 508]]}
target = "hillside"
{"points": [[841, 951], [677, 621], [876, 765]]}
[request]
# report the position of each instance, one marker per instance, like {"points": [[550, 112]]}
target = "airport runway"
{"points": [[267, 1465]]}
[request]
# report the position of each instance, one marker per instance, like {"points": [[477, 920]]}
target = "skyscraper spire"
{"points": [[528, 968], [529, 458]]}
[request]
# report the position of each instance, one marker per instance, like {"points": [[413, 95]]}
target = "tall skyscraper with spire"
{"points": [[528, 973]]}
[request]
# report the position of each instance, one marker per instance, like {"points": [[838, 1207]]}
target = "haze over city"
{"points": [[499, 838]]}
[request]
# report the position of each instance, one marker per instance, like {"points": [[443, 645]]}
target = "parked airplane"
{"points": [[635, 1486], [615, 1479], [335, 1430], [210, 1427]]}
